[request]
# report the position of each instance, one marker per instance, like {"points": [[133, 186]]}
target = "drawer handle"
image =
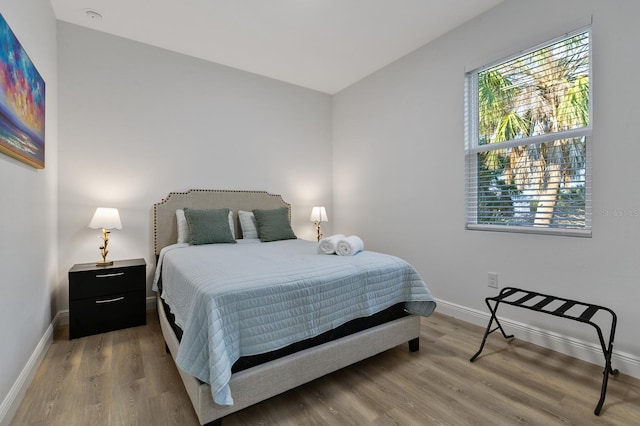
{"points": [[117, 299], [116, 274]]}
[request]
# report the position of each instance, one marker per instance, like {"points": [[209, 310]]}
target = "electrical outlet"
{"points": [[493, 279]]}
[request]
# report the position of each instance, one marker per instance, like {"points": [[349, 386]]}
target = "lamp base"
{"points": [[318, 232], [106, 263]]}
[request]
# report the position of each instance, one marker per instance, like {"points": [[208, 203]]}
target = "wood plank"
{"points": [[125, 377]]}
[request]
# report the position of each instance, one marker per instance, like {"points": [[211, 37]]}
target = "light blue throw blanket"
{"points": [[233, 300]]}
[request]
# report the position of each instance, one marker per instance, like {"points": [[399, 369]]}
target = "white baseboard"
{"points": [[151, 303], [62, 318], [626, 363], [16, 393]]}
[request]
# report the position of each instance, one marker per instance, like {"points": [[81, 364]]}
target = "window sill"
{"points": [[584, 233]]}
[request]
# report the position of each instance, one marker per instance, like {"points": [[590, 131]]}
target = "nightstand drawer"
{"points": [[106, 313], [105, 281]]}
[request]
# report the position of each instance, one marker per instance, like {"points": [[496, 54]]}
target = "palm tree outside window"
{"points": [[528, 134]]}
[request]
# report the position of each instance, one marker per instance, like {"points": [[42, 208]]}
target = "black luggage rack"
{"points": [[519, 298]]}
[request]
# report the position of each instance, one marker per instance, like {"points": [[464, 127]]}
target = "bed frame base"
{"points": [[256, 384]]}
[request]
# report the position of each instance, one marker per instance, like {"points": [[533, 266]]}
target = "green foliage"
{"points": [[494, 194], [541, 92]]}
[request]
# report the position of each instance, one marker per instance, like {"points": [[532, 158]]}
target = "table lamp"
{"points": [[318, 214], [105, 218]]}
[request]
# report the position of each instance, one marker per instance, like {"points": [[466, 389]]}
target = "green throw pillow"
{"points": [[273, 225], [208, 226]]}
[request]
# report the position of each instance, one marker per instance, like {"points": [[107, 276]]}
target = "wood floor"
{"points": [[126, 378]]}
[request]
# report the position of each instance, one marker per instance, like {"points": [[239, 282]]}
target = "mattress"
{"points": [[354, 326], [239, 300]]}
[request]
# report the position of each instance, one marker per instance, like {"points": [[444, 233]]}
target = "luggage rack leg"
{"points": [[489, 330], [607, 351]]}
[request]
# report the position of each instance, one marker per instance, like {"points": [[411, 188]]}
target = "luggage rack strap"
{"points": [[518, 298]]}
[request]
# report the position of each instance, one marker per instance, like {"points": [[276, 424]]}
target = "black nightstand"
{"points": [[106, 298]]}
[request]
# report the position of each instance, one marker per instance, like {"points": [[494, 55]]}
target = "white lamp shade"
{"points": [[319, 214], [106, 218]]}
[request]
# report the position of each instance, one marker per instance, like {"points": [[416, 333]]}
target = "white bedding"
{"points": [[233, 300]]}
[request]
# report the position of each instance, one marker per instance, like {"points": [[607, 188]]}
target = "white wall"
{"points": [[28, 250], [137, 122], [399, 167]]}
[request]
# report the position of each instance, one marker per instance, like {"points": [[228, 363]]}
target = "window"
{"points": [[528, 131]]}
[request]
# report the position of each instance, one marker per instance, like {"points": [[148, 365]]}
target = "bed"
{"points": [[308, 316]]}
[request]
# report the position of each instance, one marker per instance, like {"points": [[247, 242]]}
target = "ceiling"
{"points": [[325, 45]]}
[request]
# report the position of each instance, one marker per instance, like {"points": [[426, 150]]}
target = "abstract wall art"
{"points": [[22, 102]]}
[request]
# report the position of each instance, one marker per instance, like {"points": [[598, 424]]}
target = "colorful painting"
{"points": [[21, 102]]}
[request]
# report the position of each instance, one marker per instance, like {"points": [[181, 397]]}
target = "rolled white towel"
{"points": [[328, 245], [349, 246]]}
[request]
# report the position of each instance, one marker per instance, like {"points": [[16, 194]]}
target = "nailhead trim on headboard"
{"points": [[164, 219]]}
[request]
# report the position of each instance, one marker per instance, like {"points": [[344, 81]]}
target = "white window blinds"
{"points": [[528, 140]]}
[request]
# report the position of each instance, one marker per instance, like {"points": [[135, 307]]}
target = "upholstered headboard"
{"points": [[165, 230]]}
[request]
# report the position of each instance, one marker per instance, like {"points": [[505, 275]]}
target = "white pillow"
{"points": [[247, 224], [183, 226], [231, 224]]}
